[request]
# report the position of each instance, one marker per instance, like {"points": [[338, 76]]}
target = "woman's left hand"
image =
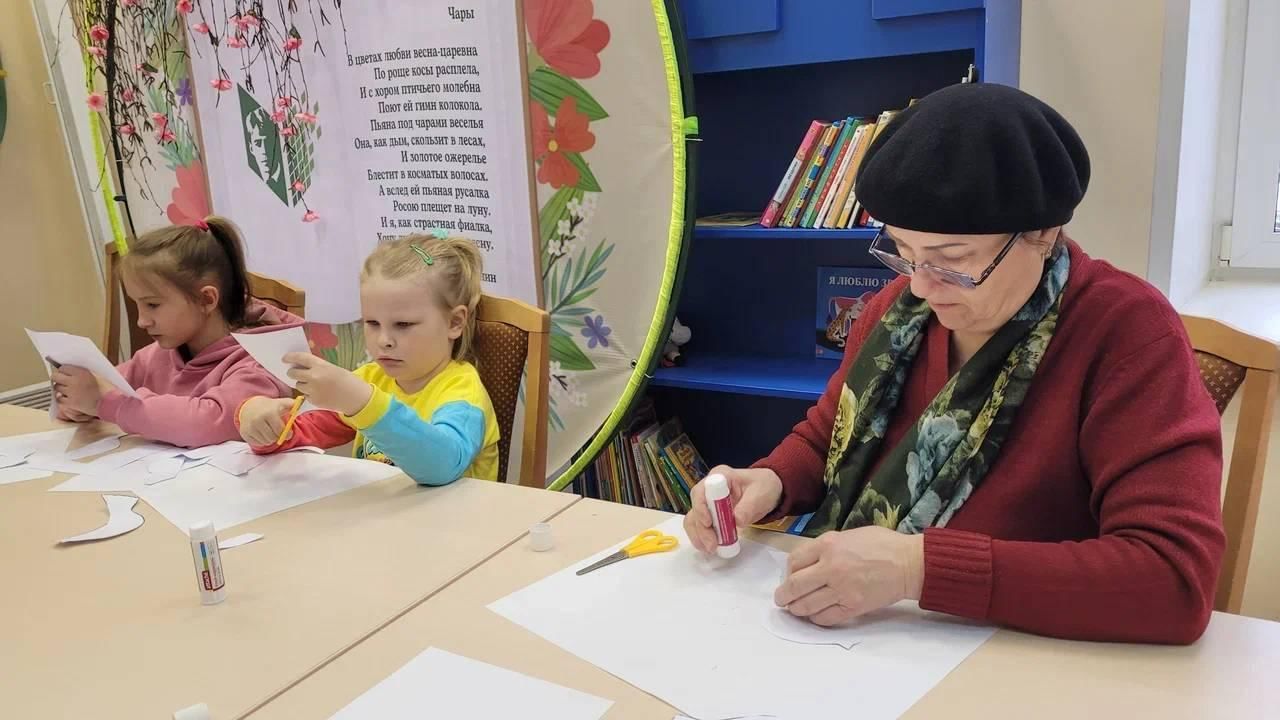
{"points": [[326, 385], [843, 575], [78, 389]]}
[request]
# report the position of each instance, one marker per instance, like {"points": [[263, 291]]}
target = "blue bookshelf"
{"points": [[762, 71]]}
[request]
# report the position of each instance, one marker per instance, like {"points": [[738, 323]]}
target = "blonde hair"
{"points": [[450, 265], [189, 257]]}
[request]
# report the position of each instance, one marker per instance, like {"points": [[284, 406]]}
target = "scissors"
{"points": [[647, 542]]}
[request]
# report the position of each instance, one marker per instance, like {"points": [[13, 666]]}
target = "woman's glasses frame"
{"points": [[902, 266]]}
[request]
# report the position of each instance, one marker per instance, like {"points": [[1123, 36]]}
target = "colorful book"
{"points": [[843, 293], [773, 212], [686, 460], [840, 208], [823, 188], [838, 170], [791, 524], [730, 219], [810, 178]]}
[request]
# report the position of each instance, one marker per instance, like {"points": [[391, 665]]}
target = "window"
{"points": [[1255, 217]]}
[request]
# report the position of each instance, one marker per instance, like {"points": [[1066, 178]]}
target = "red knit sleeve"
{"points": [[1151, 445], [801, 458]]}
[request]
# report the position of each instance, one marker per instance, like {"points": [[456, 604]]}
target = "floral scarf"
{"points": [[928, 476]]}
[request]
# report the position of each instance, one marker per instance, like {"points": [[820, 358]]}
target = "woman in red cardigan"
{"points": [[1018, 433]]}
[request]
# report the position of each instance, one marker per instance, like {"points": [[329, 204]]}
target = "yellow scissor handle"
{"points": [[650, 541]]}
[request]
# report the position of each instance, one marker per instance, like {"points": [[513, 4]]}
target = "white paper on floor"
{"points": [[693, 633], [281, 482], [22, 473], [238, 540], [120, 519], [439, 684]]}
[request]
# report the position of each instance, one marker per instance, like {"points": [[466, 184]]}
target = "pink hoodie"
{"points": [[195, 403]]}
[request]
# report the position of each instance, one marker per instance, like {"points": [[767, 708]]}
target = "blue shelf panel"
{"points": [[756, 232], [797, 378]]}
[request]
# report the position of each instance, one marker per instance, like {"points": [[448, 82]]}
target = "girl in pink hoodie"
{"points": [[192, 290]]}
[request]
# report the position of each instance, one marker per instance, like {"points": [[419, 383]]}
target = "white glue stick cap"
{"points": [[717, 494], [540, 539], [201, 532], [717, 487], [195, 712]]}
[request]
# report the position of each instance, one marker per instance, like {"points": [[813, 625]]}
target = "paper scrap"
{"points": [[239, 540], [97, 447], [238, 463], [268, 348], [49, 441], [437, 683], [101, 465], [799, 630], [7, 461], [120, 519], [718, 660], [211, 450], [22, 473]]}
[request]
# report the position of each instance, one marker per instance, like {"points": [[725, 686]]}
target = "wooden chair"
{"points": [[1233, 361], [278, 293], [510, 336]]}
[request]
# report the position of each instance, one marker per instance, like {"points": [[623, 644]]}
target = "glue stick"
{"points": [[204, 551], [721, 506]]}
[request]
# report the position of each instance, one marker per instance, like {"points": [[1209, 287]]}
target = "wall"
{"points": [[1098, 62], [49, 278]]}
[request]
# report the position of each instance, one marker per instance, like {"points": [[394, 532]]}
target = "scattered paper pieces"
{"points": [[7, 461], [98, 466], [239, 540], [269, 347], [798, 630], [97, 447], [120, 519], [238, 463], [22, 473], [49, 441], [440, 684], [230, 446], [718, 660]]}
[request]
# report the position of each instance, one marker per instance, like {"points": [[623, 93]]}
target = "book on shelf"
{"points": [[730, 219], [843, 292], [823, 187], [810, 177], [773, 212]]}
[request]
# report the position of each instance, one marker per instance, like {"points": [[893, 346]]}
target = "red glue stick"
{"points": [[721, 506]]}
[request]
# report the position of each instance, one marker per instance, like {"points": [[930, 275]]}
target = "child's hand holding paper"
{"points": [[78, 391]]}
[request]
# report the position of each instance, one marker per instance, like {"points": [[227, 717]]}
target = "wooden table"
{"points": [[1230, 673], [115, 629]]}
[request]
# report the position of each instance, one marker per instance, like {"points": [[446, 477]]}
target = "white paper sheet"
{"points": [[66, 349], [8, 461], [97, 447], [693, 634], [49, 441], [282, 482], [22, 473], [120, 519], [238, 540], [439, 684], [798, 630], [230, 446], [269, 347], [104, 465]]}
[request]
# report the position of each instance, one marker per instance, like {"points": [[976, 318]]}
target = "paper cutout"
{"points": [[717, 660], [239, 540], [97, 447], [269, 347], [7, 461], [238, 463], [66, 349], [229, 446], [120, 519], [22, 473], [440, 684], [101, 465], [799, 630], [49, 441]]}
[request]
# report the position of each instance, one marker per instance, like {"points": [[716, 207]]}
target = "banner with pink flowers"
{"points": [[324, 135]]}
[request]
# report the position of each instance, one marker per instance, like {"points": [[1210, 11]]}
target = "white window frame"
{"points": [[1252, 241]]}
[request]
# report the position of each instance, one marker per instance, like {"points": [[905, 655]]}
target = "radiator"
{"points": [[37, 396]]}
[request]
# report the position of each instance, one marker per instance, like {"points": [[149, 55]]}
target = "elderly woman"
{"points": [[1018, 433]]}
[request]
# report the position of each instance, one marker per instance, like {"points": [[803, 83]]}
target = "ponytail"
{"points": [[234, 284]]}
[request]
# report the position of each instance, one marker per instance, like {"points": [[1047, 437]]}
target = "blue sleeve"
{"points": [[434, 452]]}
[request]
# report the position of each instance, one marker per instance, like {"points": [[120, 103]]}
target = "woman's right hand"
{"points": [[755, 493], [262, 419]]}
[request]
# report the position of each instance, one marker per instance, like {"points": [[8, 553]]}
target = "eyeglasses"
{"points": [[902, 266]]}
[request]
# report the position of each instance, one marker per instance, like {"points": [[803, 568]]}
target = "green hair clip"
{"points": [[426, 257], [440, 234]]}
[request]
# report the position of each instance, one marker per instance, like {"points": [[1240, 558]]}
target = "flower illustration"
{"points": [[129, 3], [305, 117], [237, 41], [183, 6], [221, 84], [202, 28], [293, 43], [310, 216], [96, 51], [245, 22], [99, 33], [127, 95], [596, 332], [570, 134], [165, 136], [283, 102], [97, 102], [184, 91], [321, 336], [189, 201], [125, 129], [566, 35], [288, 131], [278, 117], [160, 119], [298, 186]]}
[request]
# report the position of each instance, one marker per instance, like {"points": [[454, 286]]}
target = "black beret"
{"points": [[975, 158]]}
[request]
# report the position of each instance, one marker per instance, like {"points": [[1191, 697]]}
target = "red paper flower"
{"points": [[165, 136], [202, 28], [321, 336], [189, 203], [293, 43], [129, 3], [278, 117], [160, 119], [245, 22], [288, 131], [97, 102], [283, 102], [310, 216], [183, 6], [96, 51], [127, 95], [235, 41], [566, 35], [125, 129], [305, 117], [570, 134], [298, 186], [99, 33], [221, 84]]}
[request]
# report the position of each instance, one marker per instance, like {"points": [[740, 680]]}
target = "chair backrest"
{"points": [[1232, 361], [278, 293], [510, 337]]}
